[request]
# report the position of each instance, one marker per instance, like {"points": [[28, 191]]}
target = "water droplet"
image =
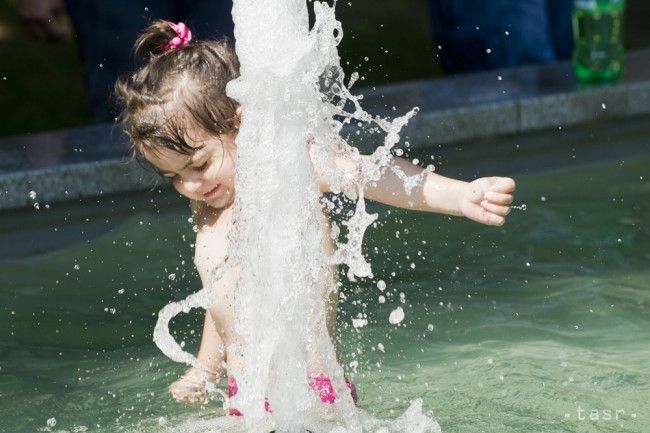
{"points": [[359, 322], [396, 316]]}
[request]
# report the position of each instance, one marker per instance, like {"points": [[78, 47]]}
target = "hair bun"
{"points": [[155, 39]]}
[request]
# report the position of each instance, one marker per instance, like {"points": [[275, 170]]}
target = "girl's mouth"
{"points": [[212, 192]]}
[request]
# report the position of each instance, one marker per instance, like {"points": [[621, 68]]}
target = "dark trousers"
{"points": [[479, 34], [106, 30]]}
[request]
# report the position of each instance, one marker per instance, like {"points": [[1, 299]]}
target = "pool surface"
{"points": [[542, 325]]}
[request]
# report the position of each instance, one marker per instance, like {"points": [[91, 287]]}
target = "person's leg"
{"points": [[529, 40], [459, 32], [105, 32], [483, 35], [559, 22]]}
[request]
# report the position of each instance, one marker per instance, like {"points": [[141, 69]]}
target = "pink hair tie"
{"points": [[183, 35]]}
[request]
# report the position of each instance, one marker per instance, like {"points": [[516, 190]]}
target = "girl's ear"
{"points": [[238, 117]]}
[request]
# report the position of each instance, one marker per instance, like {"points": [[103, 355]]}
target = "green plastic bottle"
{"points": [[598, 55]]}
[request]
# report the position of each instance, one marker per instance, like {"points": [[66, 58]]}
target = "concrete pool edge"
{"points": [[91, 161]]}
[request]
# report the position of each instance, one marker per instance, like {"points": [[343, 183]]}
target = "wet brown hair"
{"points": [[177, 90]]}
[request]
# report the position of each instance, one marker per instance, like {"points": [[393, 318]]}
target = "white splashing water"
{"points": [[294, 99]]}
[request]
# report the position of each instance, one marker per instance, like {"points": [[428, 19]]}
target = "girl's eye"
{"points": [[202, 166]]}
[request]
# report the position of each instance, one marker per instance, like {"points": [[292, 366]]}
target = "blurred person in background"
{"points": [[106, 30], [474, 35]]}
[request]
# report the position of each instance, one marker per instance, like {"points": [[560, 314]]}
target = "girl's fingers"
{"points": [[196, 398], [504, 185], [495, 208], [187, 390], [190, 397], [482, 215], [498, 197]]}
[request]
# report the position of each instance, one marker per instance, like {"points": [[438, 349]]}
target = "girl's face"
{"points": [[207, 174]]}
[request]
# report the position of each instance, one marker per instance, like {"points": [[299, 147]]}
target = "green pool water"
{"points": [[539, 326]]}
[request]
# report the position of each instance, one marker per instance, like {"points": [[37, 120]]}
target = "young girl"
{"points": [[178, 117]]}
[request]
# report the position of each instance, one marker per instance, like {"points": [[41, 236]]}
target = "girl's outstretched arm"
{"points": [[485, 200]]}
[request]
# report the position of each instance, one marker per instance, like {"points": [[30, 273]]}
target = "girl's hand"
{"points": [[486, 200], [192, 387]]}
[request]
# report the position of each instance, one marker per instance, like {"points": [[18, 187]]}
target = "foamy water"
{"points": [[294, 98]]}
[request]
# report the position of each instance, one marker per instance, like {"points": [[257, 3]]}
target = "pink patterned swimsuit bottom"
{"points": [[319, 382]]}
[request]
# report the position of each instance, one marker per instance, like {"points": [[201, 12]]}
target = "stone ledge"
{"points": [[91, 161], [73, 181]]}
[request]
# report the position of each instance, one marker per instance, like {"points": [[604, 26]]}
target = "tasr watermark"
{"points": [[601, 414]]}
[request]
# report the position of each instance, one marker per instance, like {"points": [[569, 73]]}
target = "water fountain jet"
{"points": [[294, 100]]}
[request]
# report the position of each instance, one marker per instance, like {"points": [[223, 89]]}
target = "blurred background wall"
{"points": [[41, 84]]}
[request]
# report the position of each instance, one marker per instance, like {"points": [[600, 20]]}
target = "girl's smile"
{"points": [[211, 192], [207, 174]]}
